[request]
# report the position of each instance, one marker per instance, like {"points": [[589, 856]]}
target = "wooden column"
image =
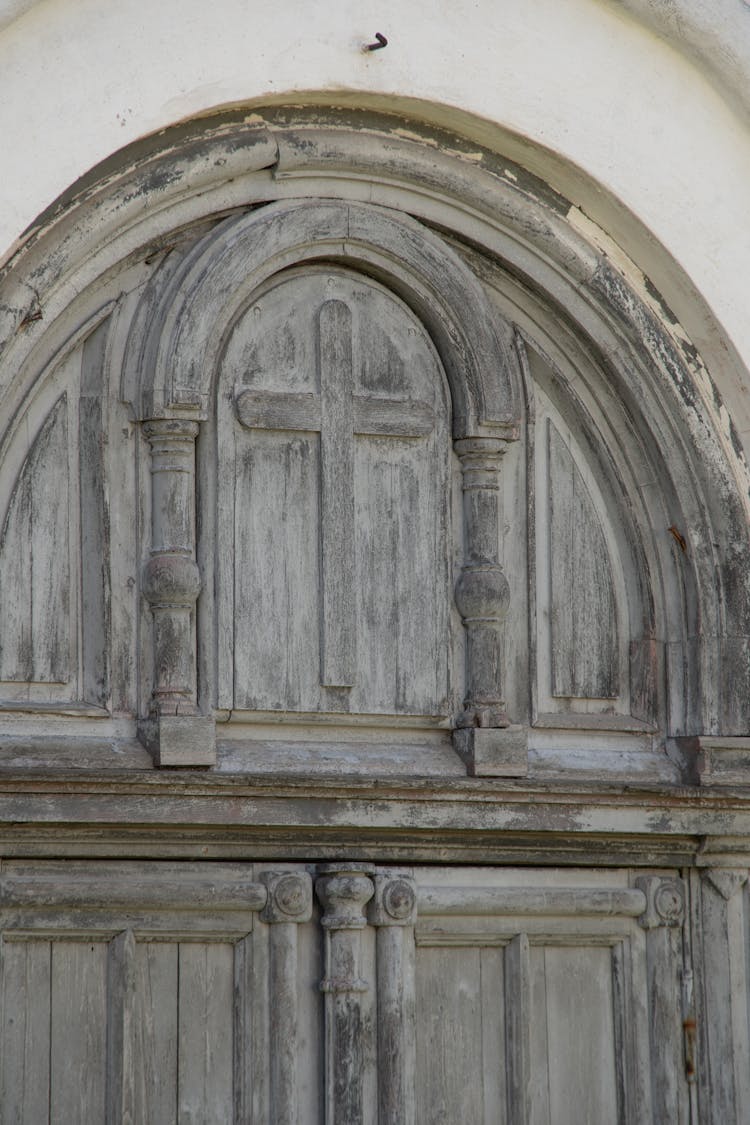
{"points": [[289, 903], [724, 1050], [176, 732], [482, 597], [344, 890], [663, 920], [393, 909]]}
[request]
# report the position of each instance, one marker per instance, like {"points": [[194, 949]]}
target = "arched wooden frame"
{"points": [[517, 222], [172, 368], [176, 367]]}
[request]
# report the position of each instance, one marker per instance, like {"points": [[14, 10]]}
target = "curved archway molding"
{"points": [[239, 182], [220, 275]]}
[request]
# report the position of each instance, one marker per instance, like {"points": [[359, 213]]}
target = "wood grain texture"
{"points": [[25, 1028], [78, 1033], [35, 561], [340, 519], [205, 1034], [583, 610]]}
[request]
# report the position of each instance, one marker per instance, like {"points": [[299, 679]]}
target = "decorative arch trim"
{"points": [[203, 299], [174, 186]]}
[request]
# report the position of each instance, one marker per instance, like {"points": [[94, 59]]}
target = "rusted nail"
{"points": [[381, 42], [35, 314], [679, 538]]}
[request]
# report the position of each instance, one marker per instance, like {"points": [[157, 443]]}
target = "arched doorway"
{"points": [[363, 525]]}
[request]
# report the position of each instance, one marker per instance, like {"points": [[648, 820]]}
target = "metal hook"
{"points": [[381, 42]]}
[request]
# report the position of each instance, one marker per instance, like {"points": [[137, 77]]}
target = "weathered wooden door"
{"points": [[345, 993]]}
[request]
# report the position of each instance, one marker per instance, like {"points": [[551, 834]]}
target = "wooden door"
{"points": [[216, 993]]}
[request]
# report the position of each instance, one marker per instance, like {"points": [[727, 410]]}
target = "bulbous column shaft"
{"points": [[482, 593], [343, 891], [171, 579]]}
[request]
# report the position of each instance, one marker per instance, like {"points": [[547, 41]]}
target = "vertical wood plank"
{"points": [[338, 633], [156, 1066], [277, 573], [94, 508], [539, 1087], [401, 571], [583, 612], [244, 1046], [35, 561], [724, 1028], [120, 1031], [494, 1050], [25, 1033], [449, 1036], [205, 1025], [78, 1032], [517, 1028], [583, 1089]]}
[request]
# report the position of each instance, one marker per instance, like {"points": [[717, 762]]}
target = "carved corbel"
{"points": [[344, 890], [289, 903], [483, 736], [175, 731], [393, 909]]}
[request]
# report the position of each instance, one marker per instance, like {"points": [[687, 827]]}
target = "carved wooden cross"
{"points": [[337, 413]]}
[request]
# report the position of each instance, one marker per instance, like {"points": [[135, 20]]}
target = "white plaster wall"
{"points": [[640, 108]]}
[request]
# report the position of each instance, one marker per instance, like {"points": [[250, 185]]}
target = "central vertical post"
{"points": [[343, 891], [338, 643]]}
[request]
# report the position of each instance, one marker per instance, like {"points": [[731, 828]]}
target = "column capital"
{"points": [[665, 901], [394, 902], [344, 890], [289, 897]]}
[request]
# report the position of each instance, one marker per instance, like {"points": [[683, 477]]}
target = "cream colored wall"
{"points": [[631, 115]]}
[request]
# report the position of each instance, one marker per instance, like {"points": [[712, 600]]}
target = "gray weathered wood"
{"points": [[339, 478], [35, 573], [449, 1037], [25, 992], [724, 1032], [393, 910], [289, 904], [663, 920], [517, 1023], [78, 1032], [583, 609], [482, 594], [336, 379], [171, 582], [156, 1034], [121, 1031], [205, 1034], [344, 890]]}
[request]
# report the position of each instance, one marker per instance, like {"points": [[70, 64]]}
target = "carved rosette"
{"points": [[665, 901], [394, 902], [289, 897], [482, 595]]}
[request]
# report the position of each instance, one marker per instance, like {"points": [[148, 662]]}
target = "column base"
{"points": [[180, 741], [493, 751]]}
